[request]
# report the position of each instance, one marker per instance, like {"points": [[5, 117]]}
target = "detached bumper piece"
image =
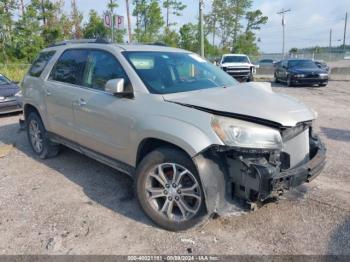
{"points": [[253, 175]]}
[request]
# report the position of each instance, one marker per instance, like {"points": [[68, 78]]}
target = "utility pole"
{"points": [[283, 12], [129, 20], [330, 43], [346, 23], [201, 28]]}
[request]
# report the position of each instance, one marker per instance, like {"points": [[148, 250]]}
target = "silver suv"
{"points": [[194, 140]]}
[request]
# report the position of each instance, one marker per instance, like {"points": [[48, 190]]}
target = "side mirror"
{"points": [[117, 87]]}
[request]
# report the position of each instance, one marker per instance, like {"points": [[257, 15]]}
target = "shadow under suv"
{"points": [[191, 136]]}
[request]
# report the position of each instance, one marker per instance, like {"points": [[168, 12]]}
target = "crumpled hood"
{"points": [[236, 64], [256, 100]]}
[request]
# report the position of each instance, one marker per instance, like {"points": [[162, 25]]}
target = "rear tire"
{"points": [[174, 202], [38, 138], [276, 79]]}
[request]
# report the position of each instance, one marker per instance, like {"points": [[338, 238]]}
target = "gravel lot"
{"points": [[74, 205]]}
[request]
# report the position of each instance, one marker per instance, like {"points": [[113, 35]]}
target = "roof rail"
{"points": [[82, 41]]}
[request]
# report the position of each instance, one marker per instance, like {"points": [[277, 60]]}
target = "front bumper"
{"points": [[10, 105], [309, 81], [228, 175]]}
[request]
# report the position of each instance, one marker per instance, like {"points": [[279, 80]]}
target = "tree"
{"points": [[239, 9], [27, 41], [94, 28], [149, 20], [189, 37], [170, 37], [77, 18], [173, 7], [255, 20], [246, 44]]}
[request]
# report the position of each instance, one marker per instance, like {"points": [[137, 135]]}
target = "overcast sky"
{"points": [[308, 23]]}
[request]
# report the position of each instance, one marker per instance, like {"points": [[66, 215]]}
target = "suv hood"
{"points": [[250, 100]]}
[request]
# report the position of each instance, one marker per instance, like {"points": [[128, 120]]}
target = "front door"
{"points": [[103, 120]]}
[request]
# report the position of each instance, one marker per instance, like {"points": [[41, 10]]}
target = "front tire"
{"points": [[38, 138], [289, 81], [169, 191]]}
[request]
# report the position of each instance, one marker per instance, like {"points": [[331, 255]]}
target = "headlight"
{"points": [[323, 75], [244, 134], [299, 75]]}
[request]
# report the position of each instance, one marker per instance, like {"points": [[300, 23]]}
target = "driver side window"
{"points": [[102, 67]]}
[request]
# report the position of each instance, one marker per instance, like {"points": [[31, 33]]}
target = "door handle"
{"points": [[47, 92], [81, 102]]}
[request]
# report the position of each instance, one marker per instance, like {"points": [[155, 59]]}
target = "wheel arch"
{"points": [[150, 144], [28, 109]]}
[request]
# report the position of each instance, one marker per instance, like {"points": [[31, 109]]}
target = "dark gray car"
{"points": [[10, 96]]}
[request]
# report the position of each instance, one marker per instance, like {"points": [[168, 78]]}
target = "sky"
{"points": [[308, 24]]}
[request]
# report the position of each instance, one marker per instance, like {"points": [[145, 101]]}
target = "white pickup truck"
{"points": [[238, 66]]}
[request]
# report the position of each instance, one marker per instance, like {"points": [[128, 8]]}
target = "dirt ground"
{"points": [[74, 205]]}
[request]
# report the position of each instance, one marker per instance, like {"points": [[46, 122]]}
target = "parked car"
{"points": [[191, 136], [266, 63], [300, 72], [10, 96], [238, 66]]}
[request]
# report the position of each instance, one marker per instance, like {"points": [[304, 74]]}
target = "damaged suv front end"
{"points": [[258, 161]]}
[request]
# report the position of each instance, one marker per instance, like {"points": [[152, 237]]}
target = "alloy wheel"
{"points": [[173, 192], [35, 136]]}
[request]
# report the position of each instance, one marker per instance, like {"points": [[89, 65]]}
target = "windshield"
{"points": [[170, 72], [302, 64], [4, 80], [235, 59]]}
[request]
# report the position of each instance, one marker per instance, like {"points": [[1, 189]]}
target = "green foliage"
{"points": [[95, 27], [173, 7], [170, 38], [149, 20], [246, 44], [14, 72], [189, 37], [255, 20], [42, 22]]}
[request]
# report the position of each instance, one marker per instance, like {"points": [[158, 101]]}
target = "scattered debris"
{"points": [[187, 240]]}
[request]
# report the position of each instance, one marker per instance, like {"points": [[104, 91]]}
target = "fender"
{"points": [[185, 135]]}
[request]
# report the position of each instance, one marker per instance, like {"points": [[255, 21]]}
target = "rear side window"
{"points": [[40, 63], [70, 67]]}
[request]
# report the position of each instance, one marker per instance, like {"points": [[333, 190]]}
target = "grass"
{"points": [[14, 72]]}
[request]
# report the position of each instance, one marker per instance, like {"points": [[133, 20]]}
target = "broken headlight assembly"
{"points": [[242, 134]]}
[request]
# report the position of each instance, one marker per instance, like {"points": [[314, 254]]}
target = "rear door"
{"points": [[103, 120], [62, 89]]}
